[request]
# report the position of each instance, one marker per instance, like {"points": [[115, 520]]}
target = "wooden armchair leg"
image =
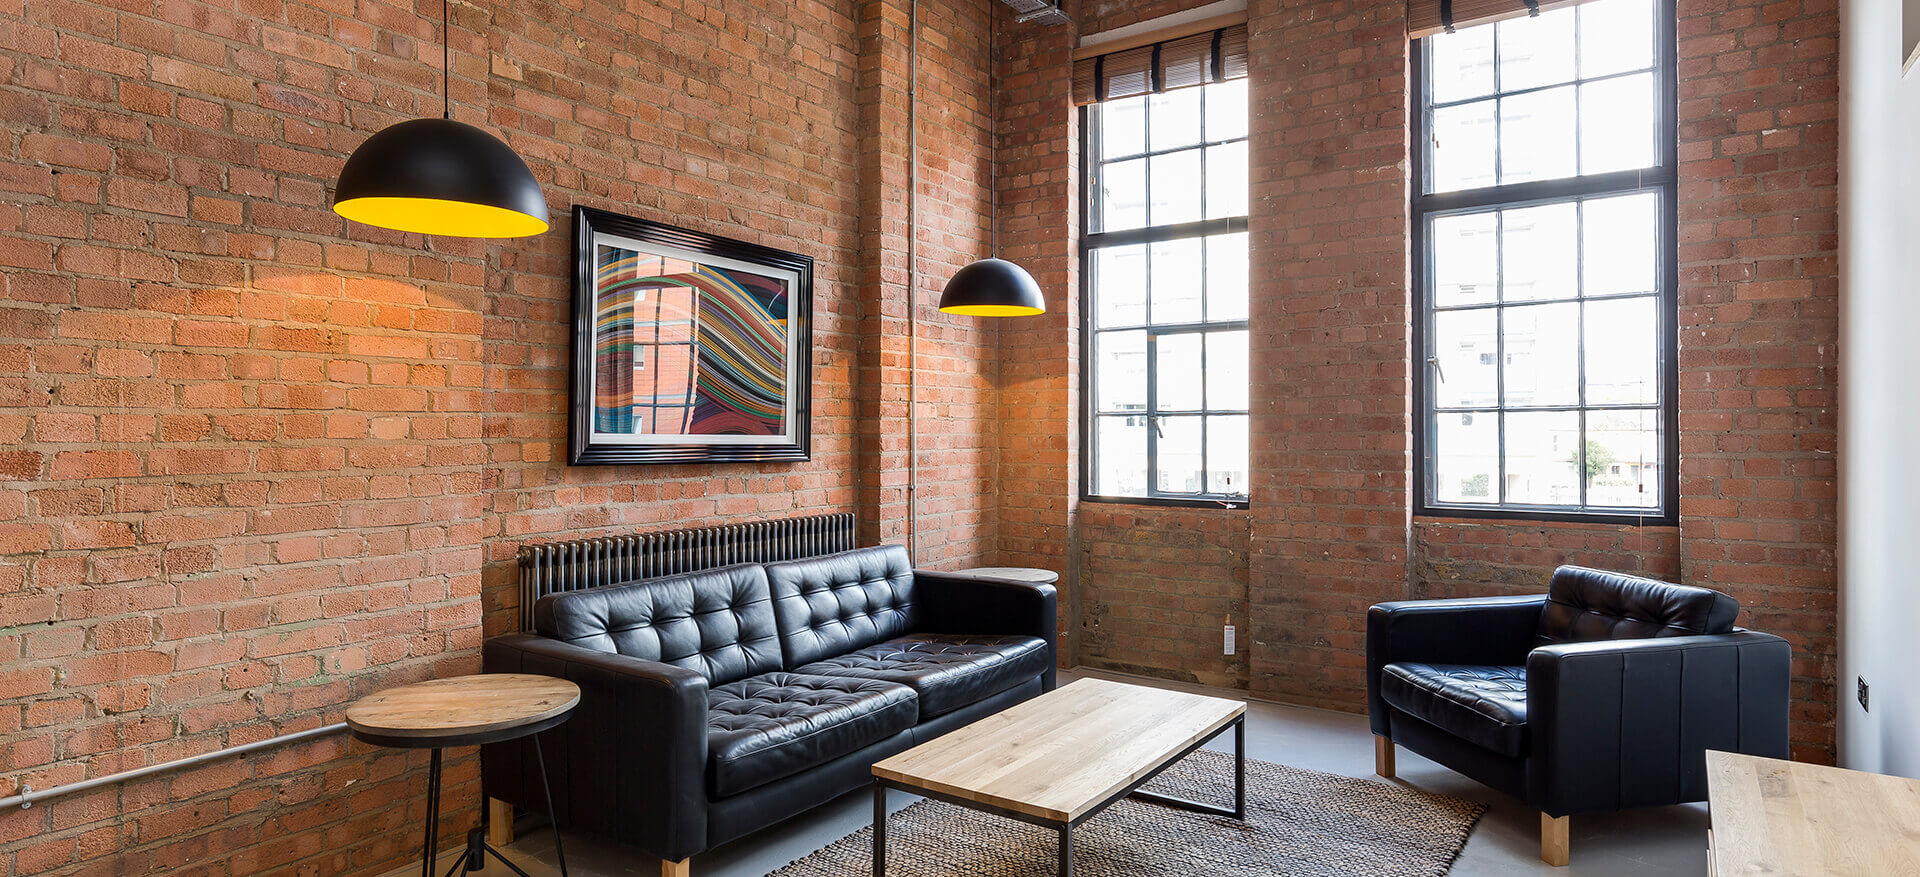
{"points": [[1555, 848], [682, 868], [499, 822], [1383, 756]]}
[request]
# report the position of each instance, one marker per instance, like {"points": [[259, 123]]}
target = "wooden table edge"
{"points": [[464, 730]]}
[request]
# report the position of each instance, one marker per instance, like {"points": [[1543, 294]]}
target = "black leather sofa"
{"points": [[717, 703], [1603, 694]]}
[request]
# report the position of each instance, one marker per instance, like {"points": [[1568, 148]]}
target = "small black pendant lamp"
{"points": [[439, 176], [992, 288]]}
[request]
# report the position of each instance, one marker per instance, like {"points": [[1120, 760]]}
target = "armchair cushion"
{"points": [[773, 725], [1585, 605], [1483, 704], [947, 671]]}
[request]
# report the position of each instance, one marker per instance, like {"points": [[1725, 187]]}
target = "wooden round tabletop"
{"points": [[463, 710], [1018, 573]]}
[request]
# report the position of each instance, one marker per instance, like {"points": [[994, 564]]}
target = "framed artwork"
{"points": [[687, 347]]}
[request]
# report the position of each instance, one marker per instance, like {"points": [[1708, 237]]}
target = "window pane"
{"points": [[1227, 110], [1542, 450], [1120, 371], [1227, 277], [1180, 454], [1227, 180], [1539, 258], [1177, 280], [1466, 457], [1536, 51], [1615, 36], [1463, 147], [1621, 237], [1465, 259], [1616, 124], [1227, 371], [1123, 127], [1543, 354], [1123, 195], [1623, 459], [1178, 379], [1174, 118], [1536, 135], [1465, 345], [1227, 454], [1462, 64], [1176, 188], [1622, 336], [1120, 286], [1122, 456]]}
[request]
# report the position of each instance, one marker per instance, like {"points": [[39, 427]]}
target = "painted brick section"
{"points": [[1759, 293], [264, 462]]}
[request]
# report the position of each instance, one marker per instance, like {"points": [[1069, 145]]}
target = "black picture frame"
{"points": [[746, 274]]}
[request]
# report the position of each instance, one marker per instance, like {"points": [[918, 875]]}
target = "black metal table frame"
{"points": [[1065, 829], [474, 856]]}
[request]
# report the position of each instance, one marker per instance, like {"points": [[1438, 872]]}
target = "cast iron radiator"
{"points": [[554, 567]]}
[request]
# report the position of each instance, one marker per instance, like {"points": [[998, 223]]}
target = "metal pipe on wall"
{"points": [[913, 281], [27, 797]]}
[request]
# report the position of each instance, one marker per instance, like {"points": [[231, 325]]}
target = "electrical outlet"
{"points": [[1229, 639], [1860, 690]]}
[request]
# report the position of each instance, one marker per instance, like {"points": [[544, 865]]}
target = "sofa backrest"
{"points": [[717, 622], [828, 606], [1589, 604]]}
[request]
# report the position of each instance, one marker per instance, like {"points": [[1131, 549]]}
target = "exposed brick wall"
{"points": [[1479, 558], [266, 462], [1153, 580]]}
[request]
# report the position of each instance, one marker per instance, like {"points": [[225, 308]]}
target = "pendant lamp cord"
{"points": [[446, 60]]}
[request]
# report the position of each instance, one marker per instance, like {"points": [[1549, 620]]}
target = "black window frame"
{"points": [[1090, 241], [1662, 179]]}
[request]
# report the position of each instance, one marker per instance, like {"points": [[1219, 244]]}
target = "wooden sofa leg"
{"points": [[499, 822], [1383, 756], [1554, 843], [682, 868]]}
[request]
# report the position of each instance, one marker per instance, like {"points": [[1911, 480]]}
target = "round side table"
{"points": [[466, 711], [1017, 573]]}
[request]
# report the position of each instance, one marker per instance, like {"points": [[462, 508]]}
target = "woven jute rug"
{"points": [[1299, 822]]}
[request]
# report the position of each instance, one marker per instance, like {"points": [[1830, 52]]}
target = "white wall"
{"points": [[1880, 390]]}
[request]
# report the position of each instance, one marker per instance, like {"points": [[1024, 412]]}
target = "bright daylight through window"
{"points": [[1544, 261], [1166, 273]]}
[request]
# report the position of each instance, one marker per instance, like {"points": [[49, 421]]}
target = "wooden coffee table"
{"points": [[1059, 759]]}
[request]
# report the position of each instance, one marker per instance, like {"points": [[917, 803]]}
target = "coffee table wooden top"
{"points": [[462, 705], [1786, 817], [1065, 752]]}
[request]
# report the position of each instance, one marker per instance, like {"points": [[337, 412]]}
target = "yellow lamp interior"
{"points": [[441, 217], [993, 310]]}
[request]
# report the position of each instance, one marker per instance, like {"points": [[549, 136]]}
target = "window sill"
{"points": [[1219, 505], [1533, 516]]}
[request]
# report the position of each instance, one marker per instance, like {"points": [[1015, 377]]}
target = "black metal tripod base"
{"points": [[474, 857]]}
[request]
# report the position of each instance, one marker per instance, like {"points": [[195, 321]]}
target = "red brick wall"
{"points": [[265, 463], [1330, 530], [1152, 581]]}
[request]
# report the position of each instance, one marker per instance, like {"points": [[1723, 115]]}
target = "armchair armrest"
{"points": [[1473, 630], [630, 762], [965, 604], [1626, 723]]}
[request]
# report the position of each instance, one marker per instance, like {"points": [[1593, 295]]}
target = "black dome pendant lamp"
{"points": [[439, 176], [992, 288]]}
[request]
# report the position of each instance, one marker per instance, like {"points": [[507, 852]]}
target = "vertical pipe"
{"points": [[913, 279]]}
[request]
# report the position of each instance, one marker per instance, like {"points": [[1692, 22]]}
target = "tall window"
{"points": [[1166, 283], [1545, 263]]}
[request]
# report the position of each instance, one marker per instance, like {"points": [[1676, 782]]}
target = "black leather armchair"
{"points": [[1602, 694], [717, 703]]}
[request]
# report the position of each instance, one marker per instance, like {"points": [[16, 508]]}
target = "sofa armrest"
{"points": [[1472, 630], [630, 762], [968, 604], [1626, 723]]}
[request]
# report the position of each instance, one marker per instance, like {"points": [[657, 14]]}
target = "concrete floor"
{"points": [[1657, 841]]}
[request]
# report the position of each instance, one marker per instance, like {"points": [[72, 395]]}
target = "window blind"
{"points": [[1210, 56], [1429, 17]]}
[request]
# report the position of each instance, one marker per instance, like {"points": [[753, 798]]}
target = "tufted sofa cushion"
{"points": [[831, 605], [1484, 704], [778, 724], [947, 671], [718, 622], [1584, 605]]}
